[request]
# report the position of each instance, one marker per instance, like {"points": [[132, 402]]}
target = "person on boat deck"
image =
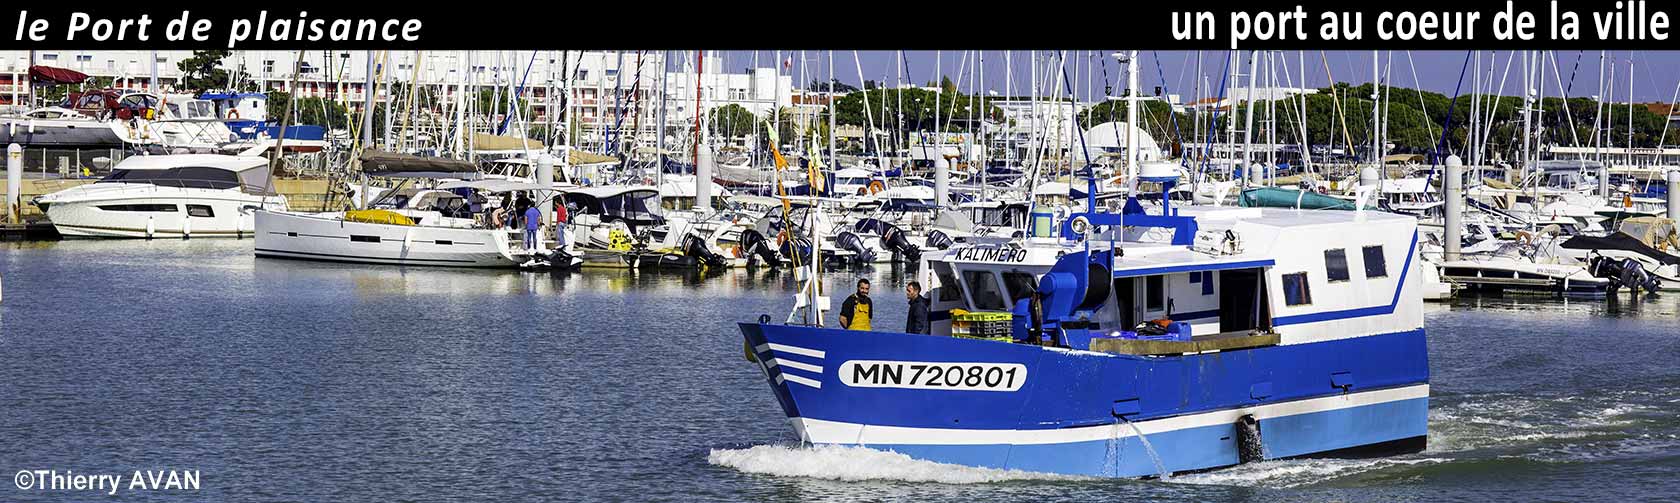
{"points": [[560, 217], [854, 312], [916, 322], [522, 206], [533, 221]]}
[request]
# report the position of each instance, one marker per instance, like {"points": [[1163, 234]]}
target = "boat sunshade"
{"points": [[395, 165], [1619, 241]]}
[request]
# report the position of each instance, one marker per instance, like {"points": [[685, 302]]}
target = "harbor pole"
{"points": [[545, 178], [1454, 184], [1674, 193], [1603, 175], [14, 183]]}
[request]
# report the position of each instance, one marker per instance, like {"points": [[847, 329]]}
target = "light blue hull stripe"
{"points": [[1192, 448]]}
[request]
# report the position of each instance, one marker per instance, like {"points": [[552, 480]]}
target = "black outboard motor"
{"points": [[758, 248], [558, 259], [1625, 272], [894, 239], [938, 240], [695, 247], [846, 240]]}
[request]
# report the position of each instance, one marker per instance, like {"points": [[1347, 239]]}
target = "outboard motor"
{"points": [[1625, 272], [756, 246], [695, 247], [938, 240], [846, 240], [892, 238], [559, 259], [799, 247]]}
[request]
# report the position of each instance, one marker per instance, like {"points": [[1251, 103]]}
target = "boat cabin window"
{"points": [[1295, 289], [983, 290], [1154, 293], [949, 290], [189, 177], [1021, 285], [200, 210], [1376, 266], [1335, 265]]}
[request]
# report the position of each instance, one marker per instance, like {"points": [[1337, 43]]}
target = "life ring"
{"points": [[875, 186], [233, 113]]}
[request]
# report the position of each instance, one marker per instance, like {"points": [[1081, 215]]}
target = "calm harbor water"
{"points": [[303, 381]]}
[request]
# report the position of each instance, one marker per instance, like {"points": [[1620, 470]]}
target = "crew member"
{"points": [[533, 221], [916, 322], [854, 312]]}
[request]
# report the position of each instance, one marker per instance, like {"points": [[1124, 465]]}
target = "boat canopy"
{"points": [[42, 75], [1619, 241], [494, 186], [498, 143], [395, 165]]}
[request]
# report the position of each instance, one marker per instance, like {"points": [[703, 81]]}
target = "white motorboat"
{"points": [[190, 195]]}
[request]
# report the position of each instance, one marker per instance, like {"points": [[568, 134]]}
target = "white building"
{"points": [[612, 92]]}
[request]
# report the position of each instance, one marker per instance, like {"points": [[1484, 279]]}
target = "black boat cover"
{"points": [[1619, 241]]}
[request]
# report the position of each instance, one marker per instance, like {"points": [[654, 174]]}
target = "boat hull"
{"points": [[329, 238], [1360, 395], [101, 211]]}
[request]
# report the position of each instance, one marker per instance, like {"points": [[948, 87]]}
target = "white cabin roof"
{"points": [[235, 163]]}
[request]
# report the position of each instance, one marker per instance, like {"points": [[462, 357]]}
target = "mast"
{"points": [[1131, 116]]}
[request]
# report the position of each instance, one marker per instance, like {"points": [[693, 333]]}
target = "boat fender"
{"points": [[1250, 447]]}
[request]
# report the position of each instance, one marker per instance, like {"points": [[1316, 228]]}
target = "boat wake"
{"points": [[1284, 474], [845, 463]]}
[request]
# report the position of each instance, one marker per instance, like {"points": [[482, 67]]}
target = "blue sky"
{"points": [[1654, 75]]}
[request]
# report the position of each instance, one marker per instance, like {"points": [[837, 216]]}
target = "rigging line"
{"points": [[1439, 145], [1167, 91], [1423, 105], [1224, 78]]}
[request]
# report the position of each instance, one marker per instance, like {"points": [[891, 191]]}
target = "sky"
{"points": [[1655, 73]]}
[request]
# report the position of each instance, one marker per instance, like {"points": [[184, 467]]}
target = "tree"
{"points": [[203, 71], [732, 121], [839, 87]]}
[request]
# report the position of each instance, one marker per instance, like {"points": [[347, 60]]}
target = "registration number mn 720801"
{"points": [[933, 375]]}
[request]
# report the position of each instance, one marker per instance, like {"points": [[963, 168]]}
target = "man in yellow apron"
{"points": [[854, 312]]}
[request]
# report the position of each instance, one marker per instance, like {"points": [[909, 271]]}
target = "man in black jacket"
{"points": [[917, 321]]}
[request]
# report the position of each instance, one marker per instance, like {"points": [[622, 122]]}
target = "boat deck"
{"points": [[1218, 342]]}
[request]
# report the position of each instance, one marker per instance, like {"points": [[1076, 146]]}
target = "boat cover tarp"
{"points": [[392, 164], [43, 75], [490, 142], [1619, 241], [1273, 197], [386, 217], [580, 158]]}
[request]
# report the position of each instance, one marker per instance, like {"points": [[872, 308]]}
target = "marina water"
{"points": [[305, 381]]}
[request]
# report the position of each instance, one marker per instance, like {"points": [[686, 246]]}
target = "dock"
{"points": [[40, 230]]}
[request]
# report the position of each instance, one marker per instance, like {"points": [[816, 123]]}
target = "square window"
{"points": [[1376, 266], [1335, 265], [1295, 291]]}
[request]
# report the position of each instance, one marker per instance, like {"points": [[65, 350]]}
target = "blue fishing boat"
{"points": [[1133, 344]]}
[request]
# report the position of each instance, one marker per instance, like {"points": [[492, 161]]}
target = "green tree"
{"points": [[732, 121], [203, 71]]}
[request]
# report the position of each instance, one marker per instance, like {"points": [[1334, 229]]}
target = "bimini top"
{"points": [[395, 165], [603, 192], [234, 163]]}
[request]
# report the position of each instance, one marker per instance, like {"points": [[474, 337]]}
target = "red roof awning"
{"points": [[52, 76]]}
